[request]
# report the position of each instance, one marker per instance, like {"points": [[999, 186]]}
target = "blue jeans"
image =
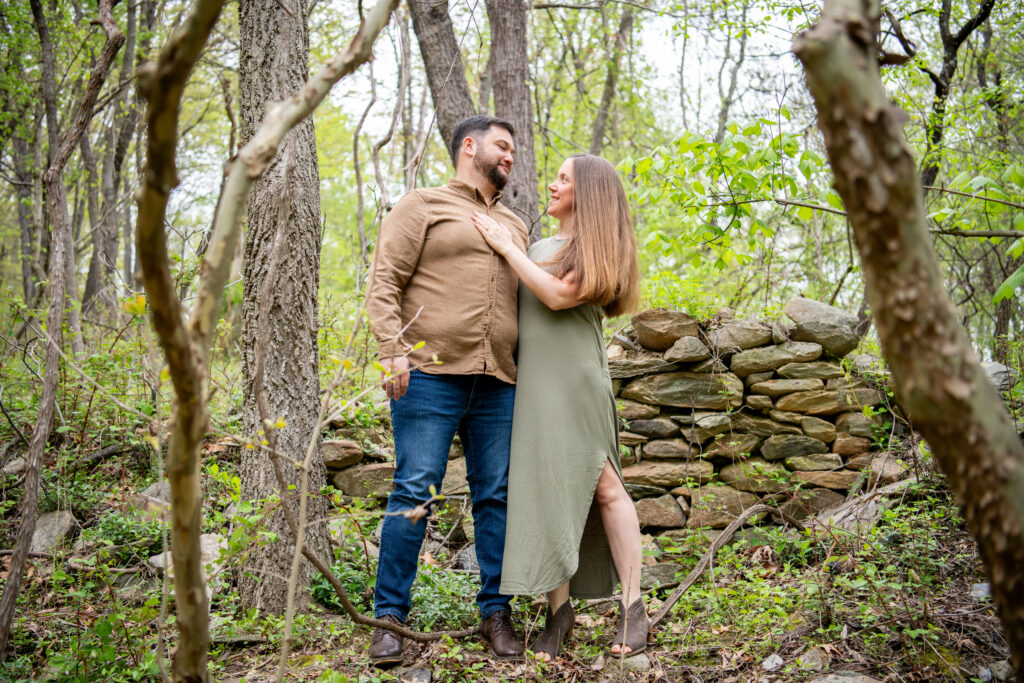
{"points": [[424, 421]]}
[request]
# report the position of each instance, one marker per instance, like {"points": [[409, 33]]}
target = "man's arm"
{"points": [[399, 244]]}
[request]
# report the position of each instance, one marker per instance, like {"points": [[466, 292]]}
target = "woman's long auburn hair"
{"points": [[601, 252]]}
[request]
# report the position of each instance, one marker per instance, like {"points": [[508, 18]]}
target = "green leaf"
{"points": [[805, 213], [1005, 291]]}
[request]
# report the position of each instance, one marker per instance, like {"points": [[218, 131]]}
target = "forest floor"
{"points": [[899, 601]]}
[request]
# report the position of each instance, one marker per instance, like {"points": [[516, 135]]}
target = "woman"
{"points": [[572, 528]]}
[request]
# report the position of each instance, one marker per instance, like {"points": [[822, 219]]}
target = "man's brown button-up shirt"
{"points": [[435, 280]]}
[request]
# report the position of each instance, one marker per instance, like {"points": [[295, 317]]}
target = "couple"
{"points": [[449, 266]]}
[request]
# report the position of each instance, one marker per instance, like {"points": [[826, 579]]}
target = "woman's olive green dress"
{"points": [[564, 429]]}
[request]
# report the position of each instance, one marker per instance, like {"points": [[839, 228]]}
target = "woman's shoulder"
{"points": [[545, 247]]}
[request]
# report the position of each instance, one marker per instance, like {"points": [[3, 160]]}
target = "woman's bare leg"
{"points": [[623, 531]]}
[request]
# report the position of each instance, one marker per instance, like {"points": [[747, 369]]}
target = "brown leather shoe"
{"points": [[386, 647], [497, 631]]}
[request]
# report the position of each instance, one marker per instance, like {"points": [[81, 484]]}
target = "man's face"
{"points": [[495, 155]]}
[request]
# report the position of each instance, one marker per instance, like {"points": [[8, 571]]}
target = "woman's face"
{"points": [[562, 192]]}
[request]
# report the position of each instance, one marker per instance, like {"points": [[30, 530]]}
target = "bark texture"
{"points": [[938, 376], [512, 102], [443, 62], [281, 278]]}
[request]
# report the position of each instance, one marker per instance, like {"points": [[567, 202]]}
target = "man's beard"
{"points": [[490, 169]]}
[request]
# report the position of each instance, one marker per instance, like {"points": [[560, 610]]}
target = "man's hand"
{"points": [[396, 380]]}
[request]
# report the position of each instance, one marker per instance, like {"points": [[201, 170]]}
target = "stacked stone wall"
{"points": [[718, 416]]}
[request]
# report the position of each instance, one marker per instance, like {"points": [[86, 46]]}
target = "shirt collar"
{"points": [[471, 192]]}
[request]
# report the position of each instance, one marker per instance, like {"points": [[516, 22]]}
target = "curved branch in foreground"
{"points": [[937, 373], [186, 348]]}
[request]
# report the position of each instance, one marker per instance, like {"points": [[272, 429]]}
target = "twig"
{"points": [[702, 564]]}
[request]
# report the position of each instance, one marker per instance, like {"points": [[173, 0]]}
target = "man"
{"points": [[435, 280]]}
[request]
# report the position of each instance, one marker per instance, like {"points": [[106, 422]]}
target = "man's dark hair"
{"points": [[475, 124]]}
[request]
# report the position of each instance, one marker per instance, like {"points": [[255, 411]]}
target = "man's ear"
{"points": [[469, 146]]}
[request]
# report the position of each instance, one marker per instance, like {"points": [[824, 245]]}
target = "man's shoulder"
{"points": [[427, 195]]}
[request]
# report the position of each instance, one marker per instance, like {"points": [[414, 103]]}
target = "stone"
{"points": [[850, 445], [780, 387], [762, 403], [980, 592], [615, 351], [780, 333], [842, 480], [341, 453], [850, 382], [15, 467], [683, 492], [815, 659], [810, 403], [717, 506], [802, 310], [622, 368], [455, 478], [668, 473], [638, 491], [210, 548], [638, 663], [687, 390], [631, 439], [662, 512], [659, 574], [761, 426], [733, 446], [785, 416], [1002, 670], [806, 502], [819, 429], [737, 335], [466, 559], [160, 490], [633, 410], [756, 475], [366, 481], [816, 370], [867, 364], [855, 424], [773, 663], [772, 357], [136, 588], [886, 469], [691, 417], [687, 350], [668, 448], [1001, 376], [657, 428], [845, 677], [757, 377], [52, 529], [815, 463], [616, 386], [783, 446], [659, 328], [707, 427], [860, 461], [711, 365], [835, 338], [858, 398]]}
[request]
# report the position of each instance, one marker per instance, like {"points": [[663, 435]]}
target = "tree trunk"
{"points": [[510, 71], [281, 277], [26, 218], [443, 62], [938, 377]]}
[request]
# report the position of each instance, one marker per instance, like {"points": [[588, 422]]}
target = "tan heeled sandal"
{"points": [[557, 627], [633, 629]]}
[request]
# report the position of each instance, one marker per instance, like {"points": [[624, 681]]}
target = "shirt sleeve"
{"points": [[399, 244]]}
